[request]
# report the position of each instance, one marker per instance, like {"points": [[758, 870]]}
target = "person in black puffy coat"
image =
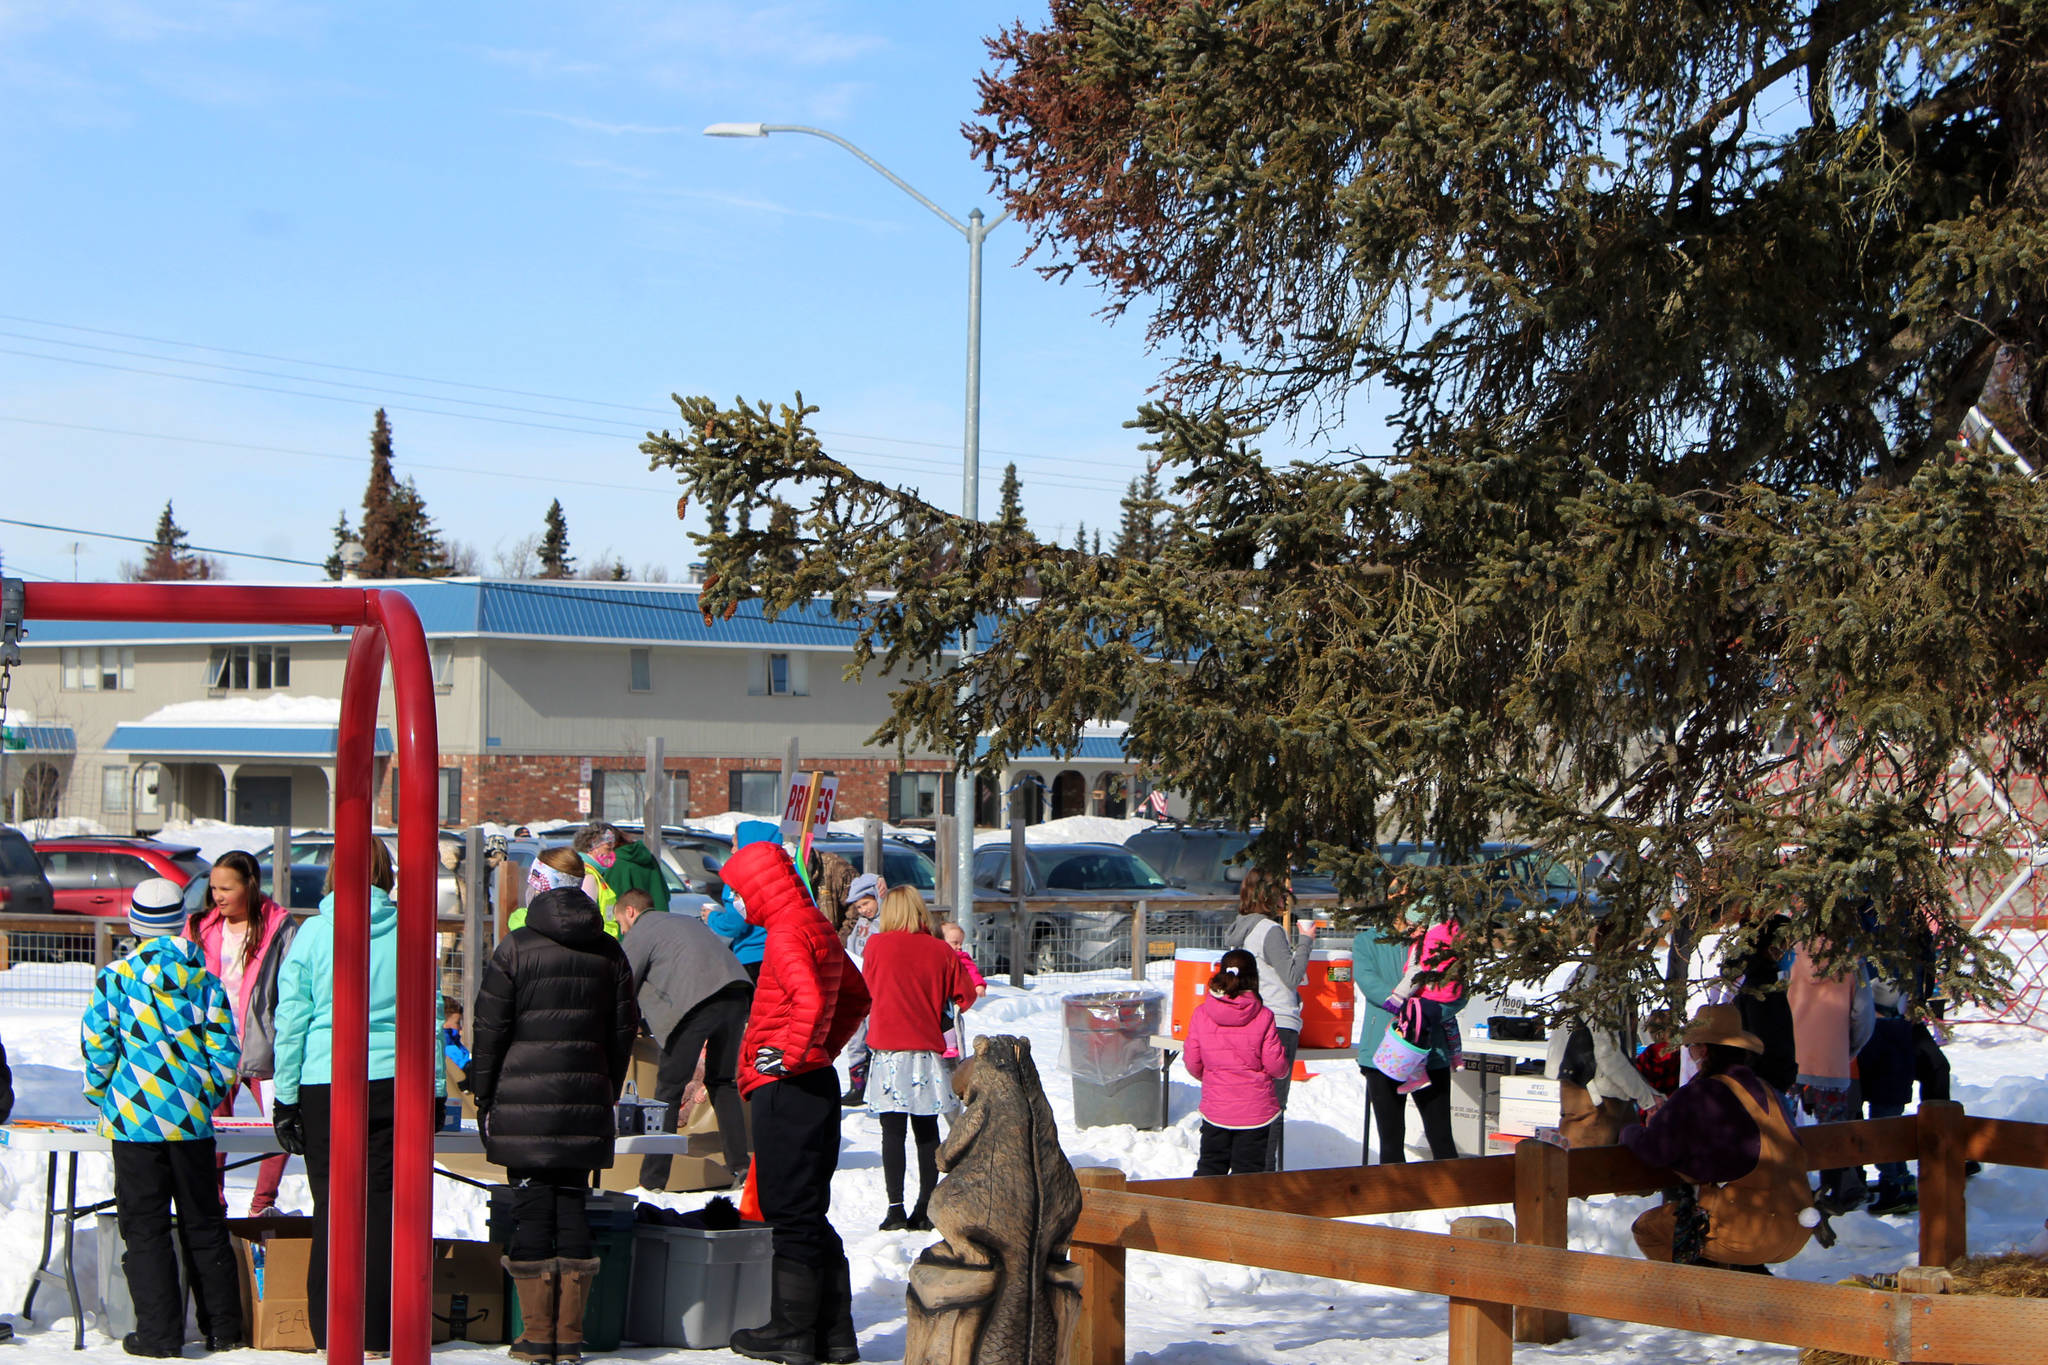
{"points": [[553, 1035]]}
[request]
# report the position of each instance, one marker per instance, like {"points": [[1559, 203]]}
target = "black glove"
{"points": [[768, 1061], [440, 1115], [290, 1126]]}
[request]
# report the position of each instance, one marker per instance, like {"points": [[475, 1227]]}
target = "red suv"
{"points": [[94, 874]]}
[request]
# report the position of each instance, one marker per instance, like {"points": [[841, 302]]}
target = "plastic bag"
{"points": [[1109, 1034]]}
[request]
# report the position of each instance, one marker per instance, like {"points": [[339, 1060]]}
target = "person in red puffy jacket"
{"points": [[809, 1001]]}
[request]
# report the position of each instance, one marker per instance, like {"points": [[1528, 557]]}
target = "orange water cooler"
{"points": [[1327, 996]]}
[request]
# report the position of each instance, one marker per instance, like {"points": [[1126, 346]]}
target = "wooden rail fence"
{"points": [[1286, 1221]]}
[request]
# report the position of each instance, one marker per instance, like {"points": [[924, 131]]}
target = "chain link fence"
{"points": [[49, 960], [1093, 938]]}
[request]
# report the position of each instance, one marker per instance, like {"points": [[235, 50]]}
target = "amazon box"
{"points": [[469, 1292]]}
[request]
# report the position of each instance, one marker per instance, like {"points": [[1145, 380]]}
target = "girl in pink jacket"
{"points": [[1234, 1050]]}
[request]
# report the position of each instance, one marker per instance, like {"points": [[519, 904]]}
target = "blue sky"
{"points": [[518, 197]]}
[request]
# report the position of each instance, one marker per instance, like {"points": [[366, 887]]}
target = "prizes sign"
{"points": [[812, 795]]}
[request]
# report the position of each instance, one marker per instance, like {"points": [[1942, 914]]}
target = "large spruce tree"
{"points": [[398, 536], [1679, 309]]}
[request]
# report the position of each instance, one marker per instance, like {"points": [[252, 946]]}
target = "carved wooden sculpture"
{"points": [[999, 1290]]}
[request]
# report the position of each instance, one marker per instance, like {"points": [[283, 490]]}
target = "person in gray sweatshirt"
{"points": [[1262, 902], [695, 997]]}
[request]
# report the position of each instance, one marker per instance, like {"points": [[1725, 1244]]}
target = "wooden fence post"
{"points": [[103, 941], [1944, 1222], [1139, 942], [1482, 1333], [1099, 1335], [1542, 1217]]}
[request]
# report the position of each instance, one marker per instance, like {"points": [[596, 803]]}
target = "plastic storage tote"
{"points": [[696, 1288]]}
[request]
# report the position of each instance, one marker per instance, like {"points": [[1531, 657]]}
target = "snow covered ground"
{"points": [[1180, 1312]]}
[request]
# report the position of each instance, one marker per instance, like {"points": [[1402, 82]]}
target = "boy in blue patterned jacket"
{"points": [[160, 1055]]}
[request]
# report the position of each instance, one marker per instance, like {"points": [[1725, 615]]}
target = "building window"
{"points": [[239, 668], [780, 675], [98, 670], [754, 793], [616, 795], [639, 670], [114, 789], [451, 796], [444, 670], [678, 796], [919, 796]]}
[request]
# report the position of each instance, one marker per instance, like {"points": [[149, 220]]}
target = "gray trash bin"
{"points": [[1118, 1075]]}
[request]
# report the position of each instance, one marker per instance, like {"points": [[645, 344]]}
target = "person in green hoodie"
{"points": [[303, 1109], [633, 868], [1381, 964]]}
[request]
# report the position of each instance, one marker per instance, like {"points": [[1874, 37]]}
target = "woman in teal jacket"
{"points": [[1379, 963], [304, 1086]]}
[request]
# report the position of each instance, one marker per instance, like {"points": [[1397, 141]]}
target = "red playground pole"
{"points": [[384, 622]]}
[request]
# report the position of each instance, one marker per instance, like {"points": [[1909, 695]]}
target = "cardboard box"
{"points": [[1524, 1117], [274, 1305], [1530, 1088], [467, 1275]]}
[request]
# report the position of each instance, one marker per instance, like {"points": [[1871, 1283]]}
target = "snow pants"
{"points": [[316, 1103], [149, 1177], [796, 1153]]}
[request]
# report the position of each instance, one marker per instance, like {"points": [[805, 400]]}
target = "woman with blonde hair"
{"points": [[911, 975]]}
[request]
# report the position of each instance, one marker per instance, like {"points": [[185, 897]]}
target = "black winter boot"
{"points": [[791, 1333], [838, 1342], [856, 1087]]}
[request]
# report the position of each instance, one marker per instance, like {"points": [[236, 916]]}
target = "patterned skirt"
{"points": [[910, 1083]]}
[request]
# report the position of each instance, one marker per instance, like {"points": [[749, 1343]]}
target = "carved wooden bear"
{"points": [[999, 1290]]}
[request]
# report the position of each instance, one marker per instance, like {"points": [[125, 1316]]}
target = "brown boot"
{"points": [[534, 1283], [576, 1278]]}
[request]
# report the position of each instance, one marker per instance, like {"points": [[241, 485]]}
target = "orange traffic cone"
{"points": [[1301, 1071], [750, 1197]]}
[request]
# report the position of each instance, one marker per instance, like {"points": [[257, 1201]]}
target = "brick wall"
{"points": [[508, 787]]}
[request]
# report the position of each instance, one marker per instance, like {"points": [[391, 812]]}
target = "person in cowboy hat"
{"points": [[1729, 1135]]}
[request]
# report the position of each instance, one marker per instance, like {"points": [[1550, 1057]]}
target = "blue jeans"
{"points": [[1891, 1175]]}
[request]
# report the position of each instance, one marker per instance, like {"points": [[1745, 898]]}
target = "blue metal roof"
{"points": [[40, 739], [568, 610], [266, 741], [1094, 748]]}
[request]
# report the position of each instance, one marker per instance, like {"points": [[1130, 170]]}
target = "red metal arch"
{"points": [[385, 624]]}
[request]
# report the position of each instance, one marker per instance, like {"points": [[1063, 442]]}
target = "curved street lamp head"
{"points": [[736, 130]]}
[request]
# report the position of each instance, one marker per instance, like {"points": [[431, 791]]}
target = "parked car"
{"points": [[94, 874], [1089, 938], [1514, 869], [1203, 859], [24, 888], [314, 848]]}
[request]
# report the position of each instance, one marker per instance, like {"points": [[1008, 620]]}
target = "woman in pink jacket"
{"points": [[243, 934], [1233, 1049]]}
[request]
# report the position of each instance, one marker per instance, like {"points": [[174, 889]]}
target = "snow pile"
{"points": [[277, 709], [1180, 1311], [58, 826], [1074, 829], [215, 837]]}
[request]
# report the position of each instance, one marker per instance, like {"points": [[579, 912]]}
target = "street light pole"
{"points": [[976, 231]]}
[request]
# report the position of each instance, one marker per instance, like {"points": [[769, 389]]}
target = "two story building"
{"points": [[548, 692]]}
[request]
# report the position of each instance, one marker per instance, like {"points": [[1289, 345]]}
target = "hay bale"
{"points": [[2015, 1275]]}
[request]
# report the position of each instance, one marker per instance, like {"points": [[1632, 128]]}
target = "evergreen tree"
{"points": [[381, 532], [398, 536], [620, 573], [1674, 412], [1081, 538], [1138, 535], [169, 558], [333, 567], [555, 559], [1010, 515]]}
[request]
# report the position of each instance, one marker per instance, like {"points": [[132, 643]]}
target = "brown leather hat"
{"points": [[1720, 1025]]}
